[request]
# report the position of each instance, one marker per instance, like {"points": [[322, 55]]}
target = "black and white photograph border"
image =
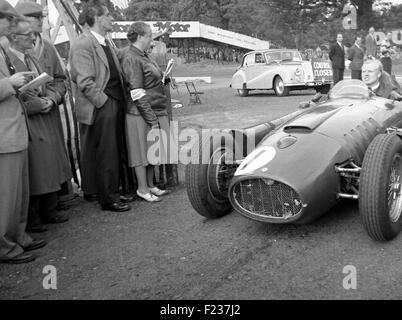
{"points": [[228, 228]]}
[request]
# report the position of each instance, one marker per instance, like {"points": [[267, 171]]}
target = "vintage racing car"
{"points": [[304, 163], [282, 70]]}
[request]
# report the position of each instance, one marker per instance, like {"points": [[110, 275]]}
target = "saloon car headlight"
{"points": [[286, 142], [298, 72]]}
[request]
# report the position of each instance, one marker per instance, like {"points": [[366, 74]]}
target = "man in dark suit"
{"points": [[14, 185], [356, 57], [337, 56], [100, 100]]}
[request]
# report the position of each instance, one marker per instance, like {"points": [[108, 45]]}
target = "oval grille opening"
{"points": [[267, 198]]}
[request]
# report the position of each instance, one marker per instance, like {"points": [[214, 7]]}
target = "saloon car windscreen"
{"points": [[284, 56]]}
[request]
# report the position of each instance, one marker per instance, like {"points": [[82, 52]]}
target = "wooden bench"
{"points": [[193, 92]]}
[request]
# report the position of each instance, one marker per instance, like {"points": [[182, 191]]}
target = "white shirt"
{"points": [[99, 38], [374, 88]]}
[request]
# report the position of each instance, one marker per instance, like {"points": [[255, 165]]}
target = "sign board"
{"points": [[194, 29], [322, 70]]}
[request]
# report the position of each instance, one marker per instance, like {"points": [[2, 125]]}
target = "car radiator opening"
{"points": [[267, 198]]}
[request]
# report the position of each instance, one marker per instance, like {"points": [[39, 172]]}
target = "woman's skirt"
{"points": [[146, 146]]}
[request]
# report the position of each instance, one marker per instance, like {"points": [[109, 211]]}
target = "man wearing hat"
{"points": [[14, 185], [42, 209]]}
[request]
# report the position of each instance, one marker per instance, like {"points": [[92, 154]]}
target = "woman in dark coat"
{"points": [[147, 123]]}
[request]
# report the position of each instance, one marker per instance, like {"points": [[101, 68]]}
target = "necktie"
{"points": [[26, 60]]}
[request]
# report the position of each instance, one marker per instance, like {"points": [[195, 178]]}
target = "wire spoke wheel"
{"points": [[394, 189], [220, 171], [380, 199]]}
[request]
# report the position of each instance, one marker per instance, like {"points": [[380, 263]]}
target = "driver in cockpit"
{"points": [[379, 81]]}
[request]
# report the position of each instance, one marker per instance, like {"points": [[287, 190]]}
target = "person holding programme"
{"points": [[14, 182], [46, 54], [147, 108]]}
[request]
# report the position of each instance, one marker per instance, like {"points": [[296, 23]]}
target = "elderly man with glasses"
{"points": [[45, 176], [14, 185], [48, 57]]}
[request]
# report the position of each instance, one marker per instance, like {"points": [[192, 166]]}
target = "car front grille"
{"points": [[266, 198]]}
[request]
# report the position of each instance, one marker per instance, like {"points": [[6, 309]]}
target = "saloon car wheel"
{"points": [[242, 92], [207, 183], [280, 89], [380, 198]]}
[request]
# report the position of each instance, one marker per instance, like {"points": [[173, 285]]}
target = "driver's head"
{"points": [[371, 72]]}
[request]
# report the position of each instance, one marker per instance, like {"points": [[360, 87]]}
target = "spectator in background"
{"points": [[47, 55], [371, 44], [356, 57], [147, 109], [337, 56], [385, 53]]}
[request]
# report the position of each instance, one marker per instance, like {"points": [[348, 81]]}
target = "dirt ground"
{"points": [[167, 251]]}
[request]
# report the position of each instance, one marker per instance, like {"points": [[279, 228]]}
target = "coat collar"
{"points": [[98, 48]]}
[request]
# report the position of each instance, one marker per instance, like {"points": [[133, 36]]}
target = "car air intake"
{"points": [[266, 198]]}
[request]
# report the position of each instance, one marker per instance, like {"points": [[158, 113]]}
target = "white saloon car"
{"points": [[281, 70]]}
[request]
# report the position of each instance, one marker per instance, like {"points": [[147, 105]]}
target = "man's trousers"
{"points": [[338, 75], [100, 152], [14, 198]]}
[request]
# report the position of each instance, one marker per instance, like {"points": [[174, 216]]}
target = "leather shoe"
{"points": [[21, 258], [35, 244], [126, 199], [91, 197], [36, 228], [55, 218], [116, 206]]}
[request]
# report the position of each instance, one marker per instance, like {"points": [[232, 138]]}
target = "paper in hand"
{"points": [[40, 80], [168, 70]]}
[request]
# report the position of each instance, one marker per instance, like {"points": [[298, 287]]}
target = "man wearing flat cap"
{"points": [[42, 207], [14, 185]]}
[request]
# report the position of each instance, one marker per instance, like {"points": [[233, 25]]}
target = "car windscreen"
{"points": [[291, 56], [351, 88]]}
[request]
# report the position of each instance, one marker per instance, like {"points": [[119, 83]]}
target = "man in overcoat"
{"points": [[45, 175], [46, 53]]}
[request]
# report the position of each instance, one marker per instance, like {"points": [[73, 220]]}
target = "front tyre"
{"points": [[280, 89], [209, 174], [380, 199]]}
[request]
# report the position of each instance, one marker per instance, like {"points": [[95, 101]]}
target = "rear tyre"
{"points": [[242, 92], [207, 183], [380, 199], [280, 89]]}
